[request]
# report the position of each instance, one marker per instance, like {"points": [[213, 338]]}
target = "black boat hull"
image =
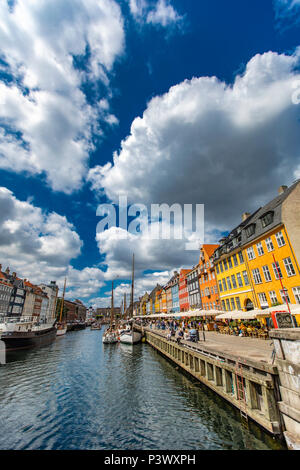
{"points": [[26, 340]]}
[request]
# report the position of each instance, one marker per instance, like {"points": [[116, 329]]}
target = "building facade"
{"points": [[193, 288], [207, 278], [184, 304], [270, 252]]}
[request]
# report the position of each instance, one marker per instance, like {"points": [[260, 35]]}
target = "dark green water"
{"points": [[80, 394]]}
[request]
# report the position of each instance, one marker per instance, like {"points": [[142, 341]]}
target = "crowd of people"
{"points": [[193, 330]]}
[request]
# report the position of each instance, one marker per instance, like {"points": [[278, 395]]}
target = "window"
{"points": [[238, 303], [239, 279], [250, 253], [223, 305], [289, 266], [224, 284], [285, 296], [267, 273], [267, 219], [221, 267], [229, 263], [269, 243], [225, 264], [296, 292], [246, 280], [220, 286], [229, 283], [256, 276], [260, 249], [250, 230], [277, 270], [217, 268], [280, 239], [232, 304], [241, 257], [233, 281], [273, 297], [263, 300], [235, 260], [227, 304]]}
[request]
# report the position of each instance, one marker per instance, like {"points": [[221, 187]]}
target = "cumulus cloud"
{"points": [[46, 121], [142, 285], [227, 146], [39, 246], [162, 13]]}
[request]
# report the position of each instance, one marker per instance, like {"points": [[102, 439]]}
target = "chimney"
{"points": [[7, 270], [245, 216], [282, 189]]}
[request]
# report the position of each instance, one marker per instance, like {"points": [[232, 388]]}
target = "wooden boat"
{"points": [[96, 326], [28, 333], [111, 335]]}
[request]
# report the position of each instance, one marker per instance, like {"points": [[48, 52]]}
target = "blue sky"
{"points": [[83, 81]]}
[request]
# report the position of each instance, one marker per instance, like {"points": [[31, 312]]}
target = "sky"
{"points": [[158, 101]]}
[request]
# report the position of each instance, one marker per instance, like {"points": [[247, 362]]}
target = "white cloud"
{"points": [[47, 120], [204, 141], [39, 246], [162, 13]]}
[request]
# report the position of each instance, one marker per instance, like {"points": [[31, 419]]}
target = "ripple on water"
{"points": [[80, 394]]}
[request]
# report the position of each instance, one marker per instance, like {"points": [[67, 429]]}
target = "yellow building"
{"points": [[157, 301], [234, 284], [270, 253], [257, 265], [163, 301]]}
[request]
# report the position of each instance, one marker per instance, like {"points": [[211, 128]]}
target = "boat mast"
{"points": [[132, 285], [124, 305], [112, 304], [62, 301]]}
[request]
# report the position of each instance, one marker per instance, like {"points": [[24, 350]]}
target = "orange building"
{"points": [[207, 278]]}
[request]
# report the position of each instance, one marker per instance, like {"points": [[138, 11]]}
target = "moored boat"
{"points": [[130, 337], [25, 333]]}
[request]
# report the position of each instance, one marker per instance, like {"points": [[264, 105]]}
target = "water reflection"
{"points": [[80, 394]]}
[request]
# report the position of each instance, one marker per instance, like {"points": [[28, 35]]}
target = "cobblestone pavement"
{"points": [[250, 348]]}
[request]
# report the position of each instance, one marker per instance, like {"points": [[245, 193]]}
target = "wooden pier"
{"points": [[217, 363]]}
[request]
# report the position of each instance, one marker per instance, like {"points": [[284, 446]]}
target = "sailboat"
{"points": [[110, 336], [62, 325], [129, 336]]}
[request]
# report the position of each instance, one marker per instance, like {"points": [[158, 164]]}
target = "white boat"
{"points": [[109, 338], [61, 330], [111, 335], [130, 337]]}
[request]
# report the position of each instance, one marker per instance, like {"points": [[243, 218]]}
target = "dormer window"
{"points": [[250, 230], [267, 219]]}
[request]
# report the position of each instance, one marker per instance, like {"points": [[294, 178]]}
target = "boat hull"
{"points": [[131, 337], [28, 339], [61, 331], [109, 338]]}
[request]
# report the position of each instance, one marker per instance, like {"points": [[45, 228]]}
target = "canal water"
{"points": [[80, 394]]}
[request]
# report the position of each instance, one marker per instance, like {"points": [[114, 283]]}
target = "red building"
{"points": [[184, 304], [207, 278]]}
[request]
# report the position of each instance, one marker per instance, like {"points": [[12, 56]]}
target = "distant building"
{"points": [[75, 310], [184, 304], [193, 288], [207, 278], [52, 291]]}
